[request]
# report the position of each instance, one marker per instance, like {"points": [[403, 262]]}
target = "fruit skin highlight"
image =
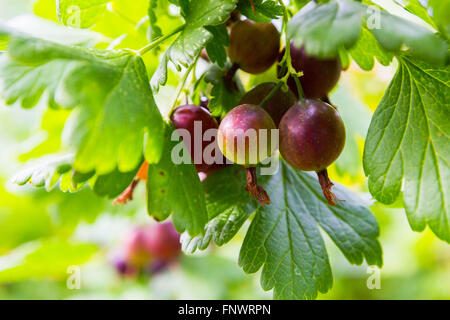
{"points": [[184, 117], [277, 106], [312, 135], [235, 131], [320, 76], [254, 46]]}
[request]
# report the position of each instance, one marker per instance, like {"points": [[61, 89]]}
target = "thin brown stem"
{"points": [[127, 195], [326, 185], [252, 4], [229, 77], [252, 187]]}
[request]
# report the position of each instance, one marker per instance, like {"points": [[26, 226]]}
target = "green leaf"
{"points": [[223, 99], [395, 32], [284, 237], [113, 184], [80, 13], [323, 29], [154, 30], [216, 48], [115, 112], [229, 205], [194, 37], [176, 189], [266, 10], [3, 42], [45, 172], [408, 140], [416, 8], [43, 260], [366, 48], [441, 15]]}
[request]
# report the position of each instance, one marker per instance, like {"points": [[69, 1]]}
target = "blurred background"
{"points": [[48, 239]]}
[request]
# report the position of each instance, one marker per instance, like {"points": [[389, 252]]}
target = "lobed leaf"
{"points": [[46, 172], [366, 49], [284, 237], [228, 204], [223, 99], [324, 29], [216, 48], [194, 37], [265, 10], [394, 32], [408, 141], [175, 189], [115, 112]]}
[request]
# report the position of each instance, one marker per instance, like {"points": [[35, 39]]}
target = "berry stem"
{"points": [[271, 94], [252, 187], [326, 185], [229, 75], [287, 57], [127, 195], [161, 39], [183, 83]]}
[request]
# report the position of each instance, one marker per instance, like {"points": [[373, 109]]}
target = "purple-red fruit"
{"points": [[320, 76], [245, 135], [136, 247], [123, 267], [312, 135], [185, 117], [277, 106], [164, 242], [254, 46]]}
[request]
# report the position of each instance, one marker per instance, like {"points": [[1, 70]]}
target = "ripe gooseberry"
{"points": [[277, 106], [185, 117], [241, 136], [164, 241], [254, 46], [319, 77], [312, 136], [245, 137]]}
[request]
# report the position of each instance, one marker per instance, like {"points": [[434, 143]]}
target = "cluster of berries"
{"points": [[311, 132]]}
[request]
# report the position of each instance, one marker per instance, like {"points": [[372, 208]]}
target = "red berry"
{"points": [[312, 135], [254, 46], [123, 267], [277, 106], [136, 247], [320, 76], [184, 117], [241, 138], [164, 241]]}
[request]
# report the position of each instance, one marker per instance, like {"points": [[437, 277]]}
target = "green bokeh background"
{"points": [[43, 233]]}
